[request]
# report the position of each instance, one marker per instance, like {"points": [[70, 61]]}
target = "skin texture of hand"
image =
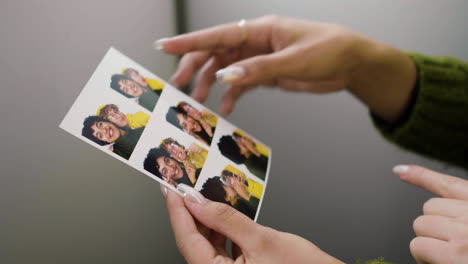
{"points": [[201, 230], [296, 55], [442, 232]]}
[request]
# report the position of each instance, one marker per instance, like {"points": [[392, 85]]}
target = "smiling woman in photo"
{"points": [[154, 84], [144, 95], [191, 126], [204, 116], [104, 132], [193, 154], [161, 164], [112, 113]]}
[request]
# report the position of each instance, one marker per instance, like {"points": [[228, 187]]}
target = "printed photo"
{"points": [[234, 188], [199, 124], [194, 154], [174, 163], [241, 149], [111, 127], [137, 118], [131, 84]]}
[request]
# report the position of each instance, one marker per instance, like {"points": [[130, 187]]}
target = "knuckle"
{"points": [[449, 184], [261, 70], [185, 245], [223, 212], [264, 239]]}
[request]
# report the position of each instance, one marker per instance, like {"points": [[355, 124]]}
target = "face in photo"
{"points": [[241, 149], [200, 130], [143, 95], [160, 163], [194, 154], [154, 84], [233, 188], [204, 116], [112, 113], [103, 132]]}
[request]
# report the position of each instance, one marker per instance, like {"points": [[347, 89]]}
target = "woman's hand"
{"points": [[442, 232], [191, 171], [205, 126], [240, 187], [296, 55], [193, 148], [202, 238]]}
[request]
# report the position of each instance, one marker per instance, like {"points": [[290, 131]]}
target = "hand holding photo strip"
{"points": [[141, 120]]}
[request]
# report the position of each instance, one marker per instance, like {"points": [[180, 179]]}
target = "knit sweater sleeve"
{"points": [[436, 121]]}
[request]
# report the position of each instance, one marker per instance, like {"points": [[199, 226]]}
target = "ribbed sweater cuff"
{"points": [[436, 121]]}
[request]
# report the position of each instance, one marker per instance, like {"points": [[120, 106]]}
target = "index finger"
{"points": [[191, 243], [437, 183], [222, 36]]}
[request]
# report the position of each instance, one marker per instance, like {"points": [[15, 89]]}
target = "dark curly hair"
{"points": [[229, 148], [150, 163], [87, 131], [171, 116], [213, 190], [115, 84]]}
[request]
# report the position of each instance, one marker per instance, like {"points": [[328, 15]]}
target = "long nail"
{"points": [[230, 74], [401, 169], [163, 190], [159, 44], [191, 194]]}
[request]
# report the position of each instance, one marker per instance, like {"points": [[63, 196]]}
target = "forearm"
{"points": [[383, 79], [435, 124]]}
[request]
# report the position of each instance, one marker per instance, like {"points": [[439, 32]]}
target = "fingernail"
{"points": [[163, 190], [230, 74], [400, 169], [158, 44], [190, 193]]}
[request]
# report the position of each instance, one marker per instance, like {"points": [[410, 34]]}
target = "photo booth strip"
{"points": [[140, 121]]}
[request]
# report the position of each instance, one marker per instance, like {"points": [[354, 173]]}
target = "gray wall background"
{"points": [[331, 182]]}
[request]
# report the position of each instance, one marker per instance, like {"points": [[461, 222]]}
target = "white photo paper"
{"points": [[141, 120]]}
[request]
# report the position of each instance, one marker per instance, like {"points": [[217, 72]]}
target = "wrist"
{"points": [[383, 78]]}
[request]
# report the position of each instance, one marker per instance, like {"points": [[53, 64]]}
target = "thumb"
{"points": [[222, 218]]}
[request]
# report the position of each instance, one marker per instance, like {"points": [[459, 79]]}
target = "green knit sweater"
{"points": [[435, 123]]}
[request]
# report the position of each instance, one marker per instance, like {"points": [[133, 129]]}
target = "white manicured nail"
{"points": [[230, 74], [191, 193], [400, 169], [158, 44]]}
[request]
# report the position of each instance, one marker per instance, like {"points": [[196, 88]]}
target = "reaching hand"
{"points": [[297, 55], [201, 228], [442, 232]]}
